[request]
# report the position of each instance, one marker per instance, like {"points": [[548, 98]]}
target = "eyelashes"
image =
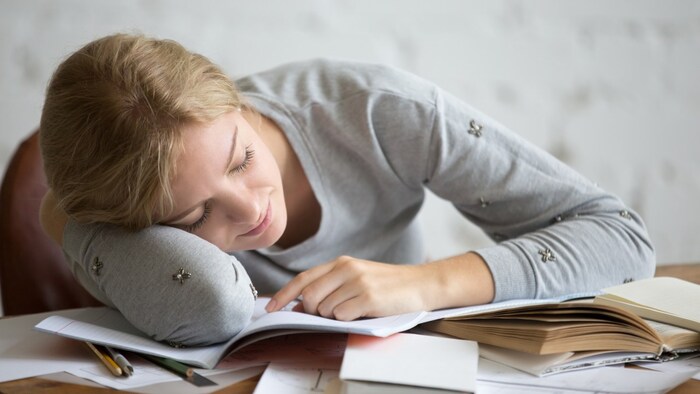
{"points": [[196, 225], [249, 154]]}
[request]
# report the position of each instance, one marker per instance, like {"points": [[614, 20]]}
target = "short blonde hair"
{"points": [[111, 126]]}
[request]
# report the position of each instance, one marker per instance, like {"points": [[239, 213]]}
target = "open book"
{"points": [[544, 339], [108, 327], [667, 300]]}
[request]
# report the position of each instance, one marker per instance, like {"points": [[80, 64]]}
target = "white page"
{"points": [[685, 363], [305, 377], [148, 374], [95, 327], [179, 386], [413, 360], [498, 378], [671, 295], [472, 310], [550, 364], [25, 353]]}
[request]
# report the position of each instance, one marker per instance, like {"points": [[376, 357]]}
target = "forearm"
{"points": [[458, 281], [170, 284], [580, 254], [136, 272]]}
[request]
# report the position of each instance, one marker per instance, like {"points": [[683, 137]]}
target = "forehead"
{"points": [[204, 152], [202, 139]]}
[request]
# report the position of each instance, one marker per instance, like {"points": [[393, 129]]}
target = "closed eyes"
{"points": [[200, 222], [249, 154]]}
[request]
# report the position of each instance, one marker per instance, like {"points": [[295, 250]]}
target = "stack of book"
{"points": [[651, 320]]}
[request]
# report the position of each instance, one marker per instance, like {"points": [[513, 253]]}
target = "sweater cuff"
{"points": [[512, 277]]}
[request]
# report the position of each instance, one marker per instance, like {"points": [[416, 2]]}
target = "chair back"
{"points": [[34, 276]]}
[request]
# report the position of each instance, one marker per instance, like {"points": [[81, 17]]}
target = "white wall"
{"points": [[610, 87]]}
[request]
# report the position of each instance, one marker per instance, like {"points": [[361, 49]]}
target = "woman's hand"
{"points": [[349, 288]]}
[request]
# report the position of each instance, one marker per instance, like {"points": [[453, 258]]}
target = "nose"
{"points": [[242, 206]]}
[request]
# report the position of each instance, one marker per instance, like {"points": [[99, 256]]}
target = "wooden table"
{"points": [[689, 272]]}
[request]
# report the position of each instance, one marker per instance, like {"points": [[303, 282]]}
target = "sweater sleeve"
{"points": [[172, 285], [557, 232]]}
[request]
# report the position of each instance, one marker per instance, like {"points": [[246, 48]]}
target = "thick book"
{"points": [[667, 300], [109, 327], [568, 335]]}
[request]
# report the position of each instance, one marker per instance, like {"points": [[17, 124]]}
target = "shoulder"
{"points": [[323, 79]]}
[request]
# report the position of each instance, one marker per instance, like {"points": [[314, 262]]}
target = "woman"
{"points": [[310, 175]]}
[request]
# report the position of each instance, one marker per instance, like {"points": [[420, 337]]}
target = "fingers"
{"points": [[324, 295], [294, 288], [322, 288], [347, 289]]}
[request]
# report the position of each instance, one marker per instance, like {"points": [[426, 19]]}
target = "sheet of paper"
{"points": [[145, 373], [413, 360], [224, 380], [689, 363], [498, 378], [25, 352], [549, 364], [299, 363], [312, 376]]}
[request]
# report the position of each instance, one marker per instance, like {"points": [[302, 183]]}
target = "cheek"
{"points": [[268, 169], [216, 234]]}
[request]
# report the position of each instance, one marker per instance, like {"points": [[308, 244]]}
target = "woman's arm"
{"points": [[556, 232], [170, 284]]}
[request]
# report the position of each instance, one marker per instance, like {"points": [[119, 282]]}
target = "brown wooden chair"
{"points": [[33, 274]]}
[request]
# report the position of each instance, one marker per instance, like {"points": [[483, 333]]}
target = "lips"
{"points": [[264, 224]]}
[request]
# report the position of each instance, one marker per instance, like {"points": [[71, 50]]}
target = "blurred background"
{"points": [[609, 87]]}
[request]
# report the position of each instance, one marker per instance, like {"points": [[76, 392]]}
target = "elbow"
{"points": [[643, 254], [647, 260]]}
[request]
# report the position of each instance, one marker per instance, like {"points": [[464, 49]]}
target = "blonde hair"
{"points": [[111, 126]]}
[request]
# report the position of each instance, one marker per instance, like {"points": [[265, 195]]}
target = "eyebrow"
{"points": [[232, 152], [226, 171]]}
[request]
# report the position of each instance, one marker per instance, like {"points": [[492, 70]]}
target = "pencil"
{"points": [[123, 363], [106, 360], [171, 365]]}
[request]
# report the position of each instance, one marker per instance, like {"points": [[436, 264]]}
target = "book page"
{"points": [[671, 295], [676, 337], [95, 326], [108, 327], [670, 300]]}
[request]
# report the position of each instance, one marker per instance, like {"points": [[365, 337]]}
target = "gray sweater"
{"points": [[371, 139]]}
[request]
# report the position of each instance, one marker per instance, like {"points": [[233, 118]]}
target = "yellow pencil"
{"points": [[106, 360]]}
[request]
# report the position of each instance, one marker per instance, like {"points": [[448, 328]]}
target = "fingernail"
{"points": [[271, 306]]}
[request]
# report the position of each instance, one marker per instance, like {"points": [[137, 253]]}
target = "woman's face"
{"points": [[227, 187]]}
